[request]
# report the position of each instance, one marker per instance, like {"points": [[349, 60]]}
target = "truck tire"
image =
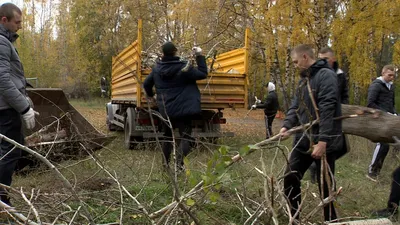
{"points": [[110, 126], [130, 141], [209, 127]]}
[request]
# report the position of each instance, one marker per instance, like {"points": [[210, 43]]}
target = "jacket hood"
{"points": [[314, 68], [11, 36], [382, 81], [170, 66]]}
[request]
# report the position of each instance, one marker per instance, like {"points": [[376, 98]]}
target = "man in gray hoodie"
{"points": [[15, 109]]}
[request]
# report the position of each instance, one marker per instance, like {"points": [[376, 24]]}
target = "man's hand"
{"points": [[258, 101], [254, 106], [197, 51], [319, 150], [283, 132], [29, 118]]}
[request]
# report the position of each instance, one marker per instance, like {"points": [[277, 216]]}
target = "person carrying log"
{"points": [[343, 88], [316, 98], [381, 96]]}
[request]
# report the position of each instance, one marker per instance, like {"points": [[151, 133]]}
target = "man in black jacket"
{"points": [[270, 106], [343, 87], [178, 97], [324, 138], [381, 96], [328, 54]]}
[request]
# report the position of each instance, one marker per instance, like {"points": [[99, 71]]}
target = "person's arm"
{"points": [[148, 84], [8, 90], [200, 72], [264, 105], [373, 94]]}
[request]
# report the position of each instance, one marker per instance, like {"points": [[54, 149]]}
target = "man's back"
{"points": [[177, 91]]}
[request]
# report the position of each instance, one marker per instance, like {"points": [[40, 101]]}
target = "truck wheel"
{"points": [[212, 128], [128, 138], [110, 126], [131, 141]]}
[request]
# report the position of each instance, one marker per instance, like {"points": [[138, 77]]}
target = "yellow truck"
{"points": [[225, 87]]}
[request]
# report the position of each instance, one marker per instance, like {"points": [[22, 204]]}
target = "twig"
{"points": [[75, 214], [31, 205], [11, 211], [54, 169]]}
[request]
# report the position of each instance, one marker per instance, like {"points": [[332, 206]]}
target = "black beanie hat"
{"points": [[169, 49]]}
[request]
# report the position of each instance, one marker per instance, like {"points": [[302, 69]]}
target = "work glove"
{"points": [[254, 106], [197, 51], [29, 118], [258, 101]]}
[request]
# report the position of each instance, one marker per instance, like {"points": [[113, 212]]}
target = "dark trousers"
{"points": [[184, 125], [10, 126], [299, 162], [394, 197], [341, 152], [380, 153], [268, 124]]}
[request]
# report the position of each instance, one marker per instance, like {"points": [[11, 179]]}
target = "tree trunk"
{"points": [[373, 124]]}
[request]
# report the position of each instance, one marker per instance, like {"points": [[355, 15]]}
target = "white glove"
{"points": [[197, 51], [29, 118], [253, 107], [258, 101], [394, 114]]}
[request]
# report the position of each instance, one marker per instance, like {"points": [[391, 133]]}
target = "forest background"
{"points": [[70, 43]]}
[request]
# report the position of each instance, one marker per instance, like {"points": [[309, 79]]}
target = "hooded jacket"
{"points": [[324, 88], [380, 97], [177, 91], [270, 105], [12, 78]]}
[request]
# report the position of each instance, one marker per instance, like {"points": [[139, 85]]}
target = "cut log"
{"points": [[36, 138], [365, 222], [373, 124]]}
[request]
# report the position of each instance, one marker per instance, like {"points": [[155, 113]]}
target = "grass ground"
{"points": [[141, 172]]}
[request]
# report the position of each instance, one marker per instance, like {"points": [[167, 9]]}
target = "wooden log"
{"points": [[373, 124], [46, 137], [365, 222]]}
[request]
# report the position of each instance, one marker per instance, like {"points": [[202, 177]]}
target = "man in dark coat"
{"points": [[343, 88], [270, 106], [178, 97], [324, 138], [381, 96]]}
